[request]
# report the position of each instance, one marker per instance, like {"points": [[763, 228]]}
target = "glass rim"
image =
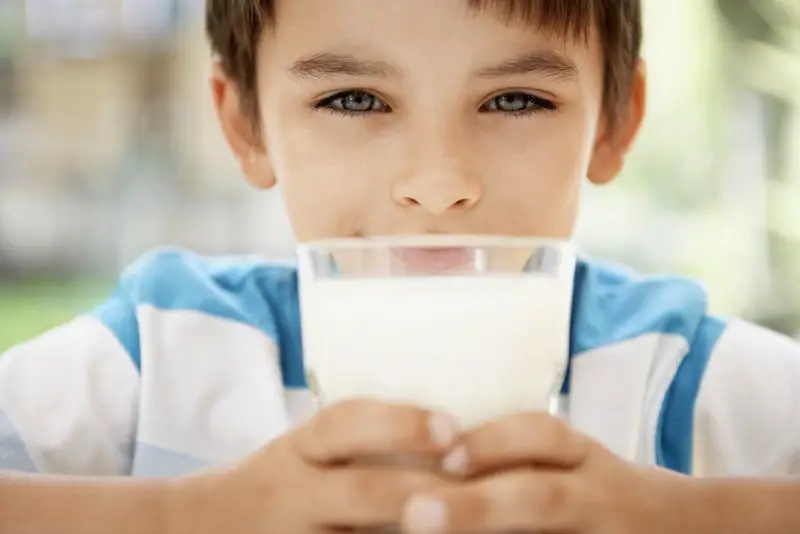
{"points": [[435, 241]]}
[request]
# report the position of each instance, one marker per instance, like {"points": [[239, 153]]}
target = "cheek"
{"points": [[324, 176], [540, 165], [549, 151]]}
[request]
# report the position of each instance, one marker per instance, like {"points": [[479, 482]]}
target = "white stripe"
{"points": [[616, 392], [747, 418], [211, 387], [667, 359], [72, 396], [300, 405]]}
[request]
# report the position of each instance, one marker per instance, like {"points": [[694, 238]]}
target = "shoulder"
{"points": [[614, 304], [181, 331], [244, 290], [174, 278], [729, 390], [641, 345]]}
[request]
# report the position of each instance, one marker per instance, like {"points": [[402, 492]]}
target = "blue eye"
{"points": [[518, 103], [353, 103]]}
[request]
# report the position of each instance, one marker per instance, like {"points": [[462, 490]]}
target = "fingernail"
{"points": [[424, 515], [443, 430], [455, 463]]}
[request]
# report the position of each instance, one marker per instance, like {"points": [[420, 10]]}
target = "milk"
{"points": [[477, 347]]}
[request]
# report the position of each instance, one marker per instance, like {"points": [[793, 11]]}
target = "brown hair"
{"points": [[234, 28]]}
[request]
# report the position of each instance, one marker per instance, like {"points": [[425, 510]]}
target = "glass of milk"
{"points": [[475, 326]]}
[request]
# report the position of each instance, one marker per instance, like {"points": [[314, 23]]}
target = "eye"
{"points": [[518, 103], [353, 103]]}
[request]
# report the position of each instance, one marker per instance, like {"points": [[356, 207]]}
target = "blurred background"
{"points": [[109, 147]]}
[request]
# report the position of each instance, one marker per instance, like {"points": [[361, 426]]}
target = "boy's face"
{"points": [[386, 117]]}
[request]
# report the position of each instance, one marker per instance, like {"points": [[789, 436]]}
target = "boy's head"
{"points": [[420, 116]]}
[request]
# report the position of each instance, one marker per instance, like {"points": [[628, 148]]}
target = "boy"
{"points": [[386, 117]]}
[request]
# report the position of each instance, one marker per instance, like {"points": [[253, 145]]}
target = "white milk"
{"points": [[479, 348]]}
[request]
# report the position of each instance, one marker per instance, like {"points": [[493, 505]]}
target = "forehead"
{"points": [[456, 30]]}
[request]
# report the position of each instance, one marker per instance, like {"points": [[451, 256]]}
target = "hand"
{"points": [[534, 473], [307, 481]]}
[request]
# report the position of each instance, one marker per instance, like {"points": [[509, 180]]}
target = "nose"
{"points": [[440, 188]]}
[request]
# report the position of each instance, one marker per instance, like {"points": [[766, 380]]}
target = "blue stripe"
{"points": [[119, 315], [13, 452], [247, 291], [155, 462], [675, 432], [282, 292], [612, 305]]}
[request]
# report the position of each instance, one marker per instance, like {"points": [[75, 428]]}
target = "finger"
{"points": [[363, 428], [531, 438], [359, 497], [521, 500]]}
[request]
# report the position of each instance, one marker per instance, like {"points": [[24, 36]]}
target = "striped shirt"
{"points": [[198, 361]]}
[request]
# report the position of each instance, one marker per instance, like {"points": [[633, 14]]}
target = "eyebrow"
{"points": [[545, 63], [328, 65]]}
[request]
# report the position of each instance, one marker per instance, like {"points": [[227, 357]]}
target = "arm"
{"points": [[43, 504], [733, 506], [291, 485]]}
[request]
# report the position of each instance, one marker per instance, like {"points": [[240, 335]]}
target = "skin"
{"points": [[438, 161], [431, 156]]}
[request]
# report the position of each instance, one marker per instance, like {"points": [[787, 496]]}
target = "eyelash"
{"points": [[533, 104]]}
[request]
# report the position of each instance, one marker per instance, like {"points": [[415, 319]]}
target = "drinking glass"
{"points": [[475, 326]]}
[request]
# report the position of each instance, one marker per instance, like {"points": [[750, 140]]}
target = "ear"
{"points": [[240, 130], [612, 144]]}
